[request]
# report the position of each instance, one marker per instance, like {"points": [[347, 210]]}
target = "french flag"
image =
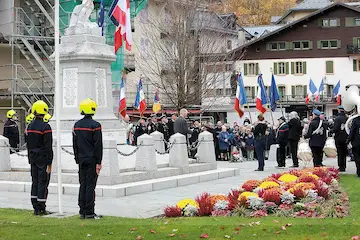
{"points": [[120, 16], [240, 99], [140, 103], [261, 98], [122, 102], [321, 89], [337, 93], [310, 91]]}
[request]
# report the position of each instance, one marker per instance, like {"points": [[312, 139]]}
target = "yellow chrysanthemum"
{"points": [[246, 195], [312, 175], [185, 202], [268, 185], [288, 178]]}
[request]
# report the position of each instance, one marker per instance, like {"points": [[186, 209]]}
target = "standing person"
{"points": [[29, 118], [152, 125], [259, 133], [194, 137], [217, 133], [164, 129], [40, 154], [282, 135], [129, 128], [295, 132], [224, 143], [180, 124], [88, 152], [250, 145], [270, 139], [174, 116], [340, 138], [11, 130], [354, 139], [317, 136], [139, 130]]}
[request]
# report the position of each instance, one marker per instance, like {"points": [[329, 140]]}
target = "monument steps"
{"points": [[127, 189], [123, 177]]}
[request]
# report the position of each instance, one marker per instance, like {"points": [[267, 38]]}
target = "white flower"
{"points": [[287, 197], [256, 190], [190, 211], [221, 205], [255, 203], [334, 182], [312, 194]]}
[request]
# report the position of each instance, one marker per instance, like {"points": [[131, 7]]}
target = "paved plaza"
{"points": [[152, 203]]}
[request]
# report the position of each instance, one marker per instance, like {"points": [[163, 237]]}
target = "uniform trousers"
{"points": [[87, 180], [260, 150], [341, 149], [356, 152], [281, 155], [294, 151], [318, 155], [39, 187]]}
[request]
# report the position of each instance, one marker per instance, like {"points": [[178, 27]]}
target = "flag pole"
{"points": [[57, 104]]}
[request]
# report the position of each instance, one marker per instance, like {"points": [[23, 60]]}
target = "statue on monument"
{"points": [[79, 21]]}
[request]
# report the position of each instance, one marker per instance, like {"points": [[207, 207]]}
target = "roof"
{"points": [[307, 5], [274, 19], [287, 26], [258, 31]]}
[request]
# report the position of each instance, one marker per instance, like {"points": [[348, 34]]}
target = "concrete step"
{"points": [[124, 177], [127, 189]]}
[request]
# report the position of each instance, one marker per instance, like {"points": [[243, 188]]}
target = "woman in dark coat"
{"points": [[259, 133], [224, 143]]}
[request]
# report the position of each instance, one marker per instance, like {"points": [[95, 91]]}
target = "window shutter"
{"points": [[320, 22], [256, 68], [304, 67], [329, 67], [288, 45], [293, 91], [355, 65], [338, 22], [253, 92], [319, 44], [268, 46], [245, 69], [286, 68], [338, 43], [349, 22], [355, 41], [292, 68], [305, 90], [310, 44], [275, 70]]}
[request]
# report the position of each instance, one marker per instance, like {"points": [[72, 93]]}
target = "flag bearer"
{"points": [[88, 151], [11, 130], [40, 156]]}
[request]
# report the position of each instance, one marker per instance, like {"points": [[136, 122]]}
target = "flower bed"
{"points": [[311, 192]]}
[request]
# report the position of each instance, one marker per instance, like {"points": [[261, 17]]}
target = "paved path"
{"points": [[152, 204]]}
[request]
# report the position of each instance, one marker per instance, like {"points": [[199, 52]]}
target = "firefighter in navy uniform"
{"points": [[40, 156], [317, 135], [340, 138], [11, 130], [354, 139], [88, 151]]}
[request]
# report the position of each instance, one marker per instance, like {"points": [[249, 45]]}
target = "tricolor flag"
{"points": [[261, 98], [156, 105], [337, 94], [321, 89], [310, 91], [101, 17], [122, 102], [274, 94], [120, 16], [140, 103], [241, 98]]}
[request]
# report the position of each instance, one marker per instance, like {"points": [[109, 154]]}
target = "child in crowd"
{"points": [[250, 145]]}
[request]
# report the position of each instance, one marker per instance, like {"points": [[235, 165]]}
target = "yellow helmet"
{"points": [[29, 118], [40, 108], [88, 107], [10, 114], [47, 118]]}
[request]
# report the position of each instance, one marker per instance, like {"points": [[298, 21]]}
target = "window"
{"points": [[281, 68], [275, 46], [299, 91], [250, 92], [357, 21], [296, 45], [251, 69], [330, 90], [332, 22], [329, 67], [300, 68], [282, 92], [356, 65], [305, 45], [229, 44], [228, 67], [228, 91], [282, 46], [329, 44], [219, 92]]}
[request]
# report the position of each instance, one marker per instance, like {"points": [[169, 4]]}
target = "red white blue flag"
{"points": [[337, 94], [310, 91], [120, 16], [240, 99], [140, 103], [122, 102], [261, 98]]}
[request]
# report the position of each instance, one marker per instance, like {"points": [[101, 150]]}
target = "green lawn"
{"points": [[17, 224]]}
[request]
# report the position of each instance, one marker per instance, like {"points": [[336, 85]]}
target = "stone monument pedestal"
{"points": [[85, 72]]}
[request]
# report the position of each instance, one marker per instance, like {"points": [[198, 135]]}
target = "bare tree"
{"points": [[185, 54]]}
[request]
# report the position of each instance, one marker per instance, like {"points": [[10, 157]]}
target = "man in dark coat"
{"points": [[171, 124], [180, 124], [317, 135], [152, 125], [194, 137], [354, 139], [217, 131], [164, 129], [340, 138], [282, 135], [140, 129], [295, 132]]}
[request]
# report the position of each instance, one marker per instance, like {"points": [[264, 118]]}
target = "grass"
{"points": [[19, 224]]}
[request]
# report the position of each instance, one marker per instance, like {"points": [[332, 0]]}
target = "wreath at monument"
{"points": [[307, 193]]}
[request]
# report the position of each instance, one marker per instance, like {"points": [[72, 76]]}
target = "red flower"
{"points": [[205, 206], [251, 185], [233, 197], [272, 195], [299, 192], [172, 212]]}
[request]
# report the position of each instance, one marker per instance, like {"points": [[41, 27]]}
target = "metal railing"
{"points": [[351, 49], [294, 99]]}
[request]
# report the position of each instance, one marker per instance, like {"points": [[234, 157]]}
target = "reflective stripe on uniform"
{"points": [[41, 200], [87, 129], [33, 196], [35, 131]]}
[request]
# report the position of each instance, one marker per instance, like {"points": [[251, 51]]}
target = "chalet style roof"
{"points": [[258, 31], [283, 28], [312, 5]]}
